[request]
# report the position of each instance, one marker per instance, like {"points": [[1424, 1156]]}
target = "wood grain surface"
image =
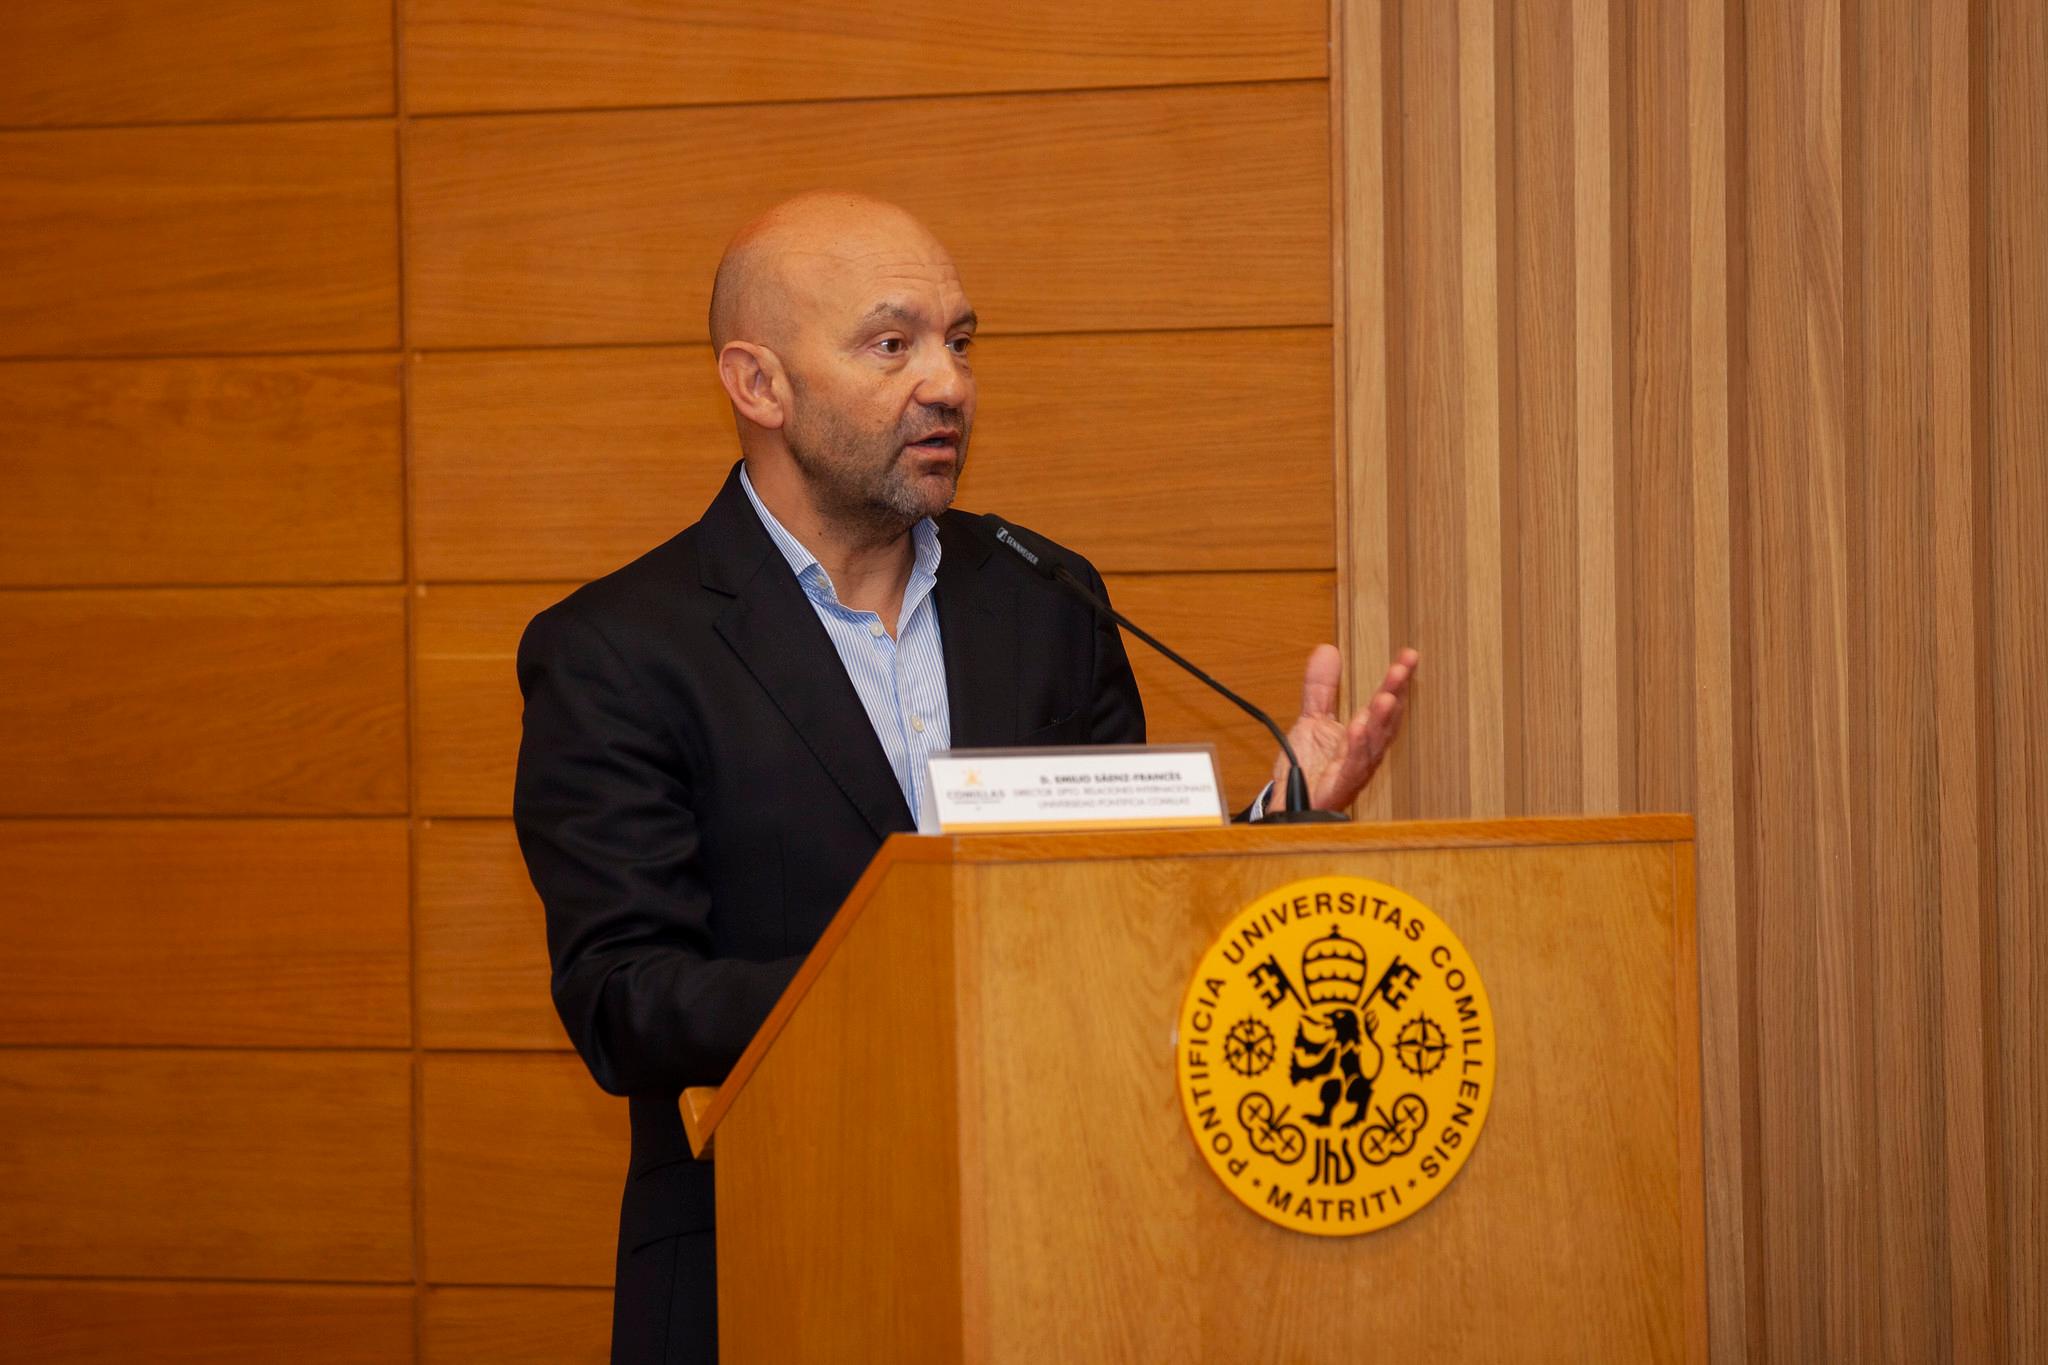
{"points": [[566, 464], [1770, 303], [483, 953], [1193, 207], [2015, 303], [203, 701], [198, 1164], [522, 1159], [114, 61], [466, 55], [1102, 1206], [1252, 630], [201, 471], [207, 933], [901, 1123], [515, 1326], [76, 1322], [245, 237], [466, 693]]}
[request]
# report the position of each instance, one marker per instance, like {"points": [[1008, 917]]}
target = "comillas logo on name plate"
{"points": [[1336, 1056]]}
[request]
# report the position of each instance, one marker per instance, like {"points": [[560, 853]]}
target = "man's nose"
{"points": [[945, 381]]}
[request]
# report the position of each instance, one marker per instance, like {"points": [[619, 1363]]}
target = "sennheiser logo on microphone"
{"points": [[1003, 534]]}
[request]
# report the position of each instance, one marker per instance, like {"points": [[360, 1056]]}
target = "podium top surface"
{"points": [[703, 1108], [1238, 840]]}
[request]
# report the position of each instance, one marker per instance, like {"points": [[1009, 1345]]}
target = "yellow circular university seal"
{"points": [[1336, 1056]]}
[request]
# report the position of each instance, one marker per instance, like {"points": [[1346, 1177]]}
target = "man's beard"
{"points": [[861, 480]]}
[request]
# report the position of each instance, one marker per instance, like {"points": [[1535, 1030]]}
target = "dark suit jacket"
{"points": [[699, 788]]}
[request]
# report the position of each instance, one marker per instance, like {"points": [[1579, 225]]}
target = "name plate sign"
{"points": [[1105, 786]]}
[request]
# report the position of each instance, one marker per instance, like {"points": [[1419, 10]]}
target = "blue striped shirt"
{"points": [[901, 680]]}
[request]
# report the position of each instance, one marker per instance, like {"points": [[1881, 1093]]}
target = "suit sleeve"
{"points": [[1117, 713], [602, 803]]}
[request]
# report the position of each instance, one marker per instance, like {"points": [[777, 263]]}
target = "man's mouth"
{"points": [[945, 439]]}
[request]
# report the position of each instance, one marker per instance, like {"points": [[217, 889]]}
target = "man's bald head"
{"points": [[774, 267]]}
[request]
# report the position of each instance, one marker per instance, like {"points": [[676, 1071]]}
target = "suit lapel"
{"points": [[978, 630], [776, 633]]}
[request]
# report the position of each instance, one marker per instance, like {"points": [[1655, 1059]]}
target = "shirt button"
{"points": [[876, 629], [917, 724]]}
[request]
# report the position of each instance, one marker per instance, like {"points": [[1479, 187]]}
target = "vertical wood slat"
{"points": [[1710, 290], [1890, 356], [1545, 680], [1426, 392], [1594, 396], [1366, 587], [1959, 362], [1479, 427], [2018, 416]]}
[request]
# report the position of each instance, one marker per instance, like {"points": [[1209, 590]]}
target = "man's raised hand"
{"points": [[1337, 758]]}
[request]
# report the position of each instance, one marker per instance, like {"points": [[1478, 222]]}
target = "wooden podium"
{"points": [[958, 1136]]}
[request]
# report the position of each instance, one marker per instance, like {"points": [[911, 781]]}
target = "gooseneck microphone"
{"points": [[1298, 811]]}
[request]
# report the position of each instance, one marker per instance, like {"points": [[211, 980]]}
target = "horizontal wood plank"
{"points": [[516, 1327], [203, 701], [201, 471], [229, 1165], [523, 1160], [240, 237], [466, 55], [115, 61], [1252, 630], [538, 465], [483, 952], [79, 1322], [1198, 207], [466, 695], [215, 933]]}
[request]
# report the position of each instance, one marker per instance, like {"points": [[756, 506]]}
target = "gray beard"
{"points": [[870, 498]]}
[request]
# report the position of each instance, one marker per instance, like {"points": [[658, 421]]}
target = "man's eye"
{"points": [[960, 345], [891, 345]]}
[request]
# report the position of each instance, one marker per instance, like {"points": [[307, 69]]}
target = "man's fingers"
{"points": [[1319, 682]]}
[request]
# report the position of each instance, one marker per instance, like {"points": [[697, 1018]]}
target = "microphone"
{"points": [[1297, 811]]}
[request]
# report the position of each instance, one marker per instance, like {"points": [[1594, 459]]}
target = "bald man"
{"points": [[720, 735]]}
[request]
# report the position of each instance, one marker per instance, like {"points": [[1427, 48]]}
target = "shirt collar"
{"points": [[924, 541]]}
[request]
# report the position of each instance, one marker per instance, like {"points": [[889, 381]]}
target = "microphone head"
{"points": [[1000, 529]]}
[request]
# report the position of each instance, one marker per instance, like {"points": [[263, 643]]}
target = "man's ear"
{"points": [[754, 380]]}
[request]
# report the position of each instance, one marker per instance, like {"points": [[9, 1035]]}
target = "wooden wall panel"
{"points": [[188, 702], [516, 1327], [483, 951], [566, 464], [1797, 616], [466, 55], [214, 933], [261, 237], [1254, 631], [201, 471], [2017, 304], [1198, 207], [114, 61], [74, 1322], [465, 693], [1771, 425], [522, 1159], [232, 1165]]}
